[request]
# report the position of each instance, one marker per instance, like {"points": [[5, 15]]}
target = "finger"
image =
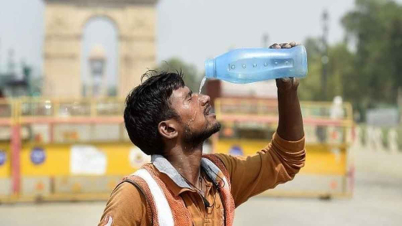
{"points": [[293, 44], [285, 80], [295, 82], [275, 46], [283, 83], [285, 45]]}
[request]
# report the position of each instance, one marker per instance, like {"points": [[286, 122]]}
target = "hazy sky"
{"points": [[192, 30]]}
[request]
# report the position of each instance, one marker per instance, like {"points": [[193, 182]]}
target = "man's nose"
{"points": [[205, 99]]}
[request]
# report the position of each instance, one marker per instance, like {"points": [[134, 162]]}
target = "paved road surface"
{"points": [[377, 201]]}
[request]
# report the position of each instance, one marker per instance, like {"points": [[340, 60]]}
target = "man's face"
{"points": [[194, 110]]}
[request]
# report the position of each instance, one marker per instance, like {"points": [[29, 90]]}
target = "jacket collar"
{"points": [[164, 166]]}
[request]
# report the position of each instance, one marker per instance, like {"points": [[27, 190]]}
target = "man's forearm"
{"points": [[290, 126]]}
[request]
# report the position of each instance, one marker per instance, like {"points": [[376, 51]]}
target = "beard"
{"points": [[195, 138]]}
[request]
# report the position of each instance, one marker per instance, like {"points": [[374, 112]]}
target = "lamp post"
{"points": [[265, 39], [324, 58], [97, 62]]}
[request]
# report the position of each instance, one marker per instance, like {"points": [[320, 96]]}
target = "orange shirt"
{"points": [[277, 163]]}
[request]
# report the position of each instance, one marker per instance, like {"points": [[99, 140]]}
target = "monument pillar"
{"points": [[65, 20]]}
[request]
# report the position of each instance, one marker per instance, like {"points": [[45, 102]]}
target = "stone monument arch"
{"points": [[64, 25]]}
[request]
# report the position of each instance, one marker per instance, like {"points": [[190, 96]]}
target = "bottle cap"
{"points": [[210, 68]]}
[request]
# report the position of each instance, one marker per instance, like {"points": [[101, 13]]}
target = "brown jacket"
{"points": [[277, 163]]}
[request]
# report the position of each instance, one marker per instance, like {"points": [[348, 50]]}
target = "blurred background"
{"points": [[67, 65]]}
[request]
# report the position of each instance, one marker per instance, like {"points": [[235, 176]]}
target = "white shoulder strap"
{"points": [[165, 217]]}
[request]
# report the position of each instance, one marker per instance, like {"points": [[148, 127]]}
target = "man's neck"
{"points": [[186, 161]]}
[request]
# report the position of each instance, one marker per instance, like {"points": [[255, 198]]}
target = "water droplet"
{"points": [[233, 67], [254, 65], [244, 66], [286, 62], [276, 62], [265, 64]]}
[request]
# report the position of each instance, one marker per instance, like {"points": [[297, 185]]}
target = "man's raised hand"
{"points": [[286, 84]]}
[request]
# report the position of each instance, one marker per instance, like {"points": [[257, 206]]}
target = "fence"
{"points": [[61, 149], [378, 139]]}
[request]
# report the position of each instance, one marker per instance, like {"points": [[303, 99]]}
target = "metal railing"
{"points": [[70, 107], [265, 110]]}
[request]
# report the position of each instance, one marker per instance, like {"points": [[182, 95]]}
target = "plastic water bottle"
{"points": [[252, 65]]}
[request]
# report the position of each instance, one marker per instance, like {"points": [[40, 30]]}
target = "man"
{"points": [[183, 187]]}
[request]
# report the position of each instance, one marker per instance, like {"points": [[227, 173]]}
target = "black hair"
{"points": [[147, 105]]}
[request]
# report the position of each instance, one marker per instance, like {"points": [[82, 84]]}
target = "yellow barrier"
{"points": [[5, 167], [320, 160], [120, 159], [247, 127], [58, 170]]}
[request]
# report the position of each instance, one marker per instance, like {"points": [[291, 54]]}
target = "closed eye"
{"points": [[190, 95]]}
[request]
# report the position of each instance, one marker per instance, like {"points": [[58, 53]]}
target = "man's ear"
{"points": [[168, 129]]}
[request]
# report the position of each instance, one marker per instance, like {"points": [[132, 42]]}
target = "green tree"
{"points": [[311, 86], [369, 76], [340, 68], [376, 27], [191, 77], [341, 73]]}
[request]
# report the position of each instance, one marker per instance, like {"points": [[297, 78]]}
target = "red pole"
{"points": [[51, 130], [15, 158]]}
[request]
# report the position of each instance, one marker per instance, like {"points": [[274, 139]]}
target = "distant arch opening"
{"points": [[99, 61]]}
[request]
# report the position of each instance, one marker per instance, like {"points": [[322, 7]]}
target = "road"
{"points": [[377, 201]]}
